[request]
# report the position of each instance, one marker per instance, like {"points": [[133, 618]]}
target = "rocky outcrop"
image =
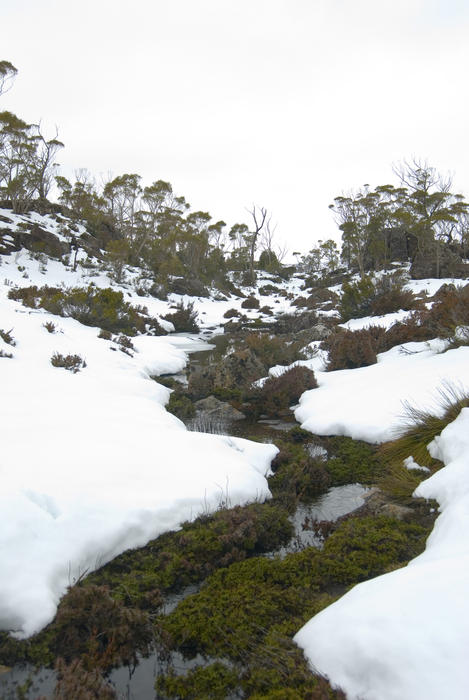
{"points": [[236, 371], [218, 410]]}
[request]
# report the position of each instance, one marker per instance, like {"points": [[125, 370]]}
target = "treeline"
{"points": [[420, 221], [148, 226]]}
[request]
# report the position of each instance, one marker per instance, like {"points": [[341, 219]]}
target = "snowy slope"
{"points": [[91, 463]]}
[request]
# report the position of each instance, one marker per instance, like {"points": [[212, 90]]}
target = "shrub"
{"points": [[231, 313], [106, 335], [351, 349], [278, 393], [272, 350], [352, 461], [368, 296], [250, 303], [75, 681], [404, 332], [213, 682], [92, 625], [181, 406], [293, 323], [74, 363], [301, 479], [184, 318], [356, 298], [91, 306], [8, 355], [50, 327], [7, 337]]}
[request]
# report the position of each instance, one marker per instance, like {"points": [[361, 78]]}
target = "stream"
{"points": [[138, 683]]}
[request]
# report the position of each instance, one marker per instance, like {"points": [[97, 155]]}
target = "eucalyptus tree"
{"points": [[8, 73]]}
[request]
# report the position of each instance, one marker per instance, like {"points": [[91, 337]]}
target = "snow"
{"points": [[368, 403], [405, 635], [91, 463]]}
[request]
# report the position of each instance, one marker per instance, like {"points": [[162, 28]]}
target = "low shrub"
{"points": [[250, 303], [184, 319], [302, 479], [181, 406], [8, 355], [370, 296], [231, 313], [75, 681], [94, 626], [50, 327], [7, 337], [73, 363], [277, 394], [351, 461], [272, 350], [91, 306], [293, 323], [350, 349]]}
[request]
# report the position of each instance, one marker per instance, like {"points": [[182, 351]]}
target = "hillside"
{"points": [[95, 467]]}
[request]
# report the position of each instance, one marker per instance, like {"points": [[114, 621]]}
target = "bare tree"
{"points": [[259, 217]]}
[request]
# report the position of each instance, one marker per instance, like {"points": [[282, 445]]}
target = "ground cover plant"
{"points": [[105, 308], [246, 613]]}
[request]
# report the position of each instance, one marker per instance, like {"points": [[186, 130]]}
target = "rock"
{"points": [[236, 371], [220, 410], [448, 264]]}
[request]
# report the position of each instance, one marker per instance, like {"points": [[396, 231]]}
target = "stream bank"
{"points": [[270, 560]]}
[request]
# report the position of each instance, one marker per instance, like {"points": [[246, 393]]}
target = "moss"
{"points": [[181, 406], [351, 461], [248, 612], [213, 682]]}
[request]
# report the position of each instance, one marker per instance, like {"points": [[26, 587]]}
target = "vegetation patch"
{"points": [[247, 613], [277, 394], [184, 319], [73, 363], [91, 306]]}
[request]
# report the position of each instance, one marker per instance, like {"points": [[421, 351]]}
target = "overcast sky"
{"points": [[282, 103]]}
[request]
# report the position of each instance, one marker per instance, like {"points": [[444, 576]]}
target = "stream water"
{"points": [[138, 683]]}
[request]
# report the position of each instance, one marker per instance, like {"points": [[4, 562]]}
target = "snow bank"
{"points": [[405, 635], [92, 464], [367, 403]]}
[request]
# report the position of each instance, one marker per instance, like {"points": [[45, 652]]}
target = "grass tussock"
{"points": [[420, 427]]}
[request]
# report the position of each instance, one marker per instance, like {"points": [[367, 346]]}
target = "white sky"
{"points": [[282, 103]]}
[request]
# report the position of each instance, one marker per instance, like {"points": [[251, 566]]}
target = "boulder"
{"points": [[219, 410]]}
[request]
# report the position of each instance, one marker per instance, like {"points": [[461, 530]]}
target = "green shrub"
{"points": [[374, 297], [91, 306], [213, 682], [184, 319], [181, 406], [293, 323], [301, 479], [351, 461]]}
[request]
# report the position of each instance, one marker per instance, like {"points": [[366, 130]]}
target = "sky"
{"points": [[284, 104]]}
